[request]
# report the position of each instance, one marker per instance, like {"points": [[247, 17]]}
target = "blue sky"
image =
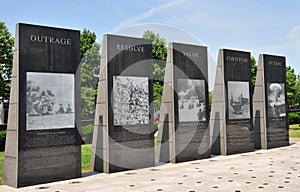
{"points": [[258, 26]]}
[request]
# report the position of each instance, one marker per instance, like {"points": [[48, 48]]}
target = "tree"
{"points": [[297, 96], [157, 95], [291, 82], [293, 93], [253, 72], [89, 80], [89, 74], [6, 60], [159, 55], [87, 40], [89, 70]]}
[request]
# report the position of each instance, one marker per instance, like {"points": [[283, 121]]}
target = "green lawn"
{"points": [[295, 131], [1, 167], [85, 157], [295, 126]]}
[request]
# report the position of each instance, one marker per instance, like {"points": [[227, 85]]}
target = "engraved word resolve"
{"points": [[133, 48]]}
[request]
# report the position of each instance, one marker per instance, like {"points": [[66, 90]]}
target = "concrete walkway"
{"points": [[262, 170]]}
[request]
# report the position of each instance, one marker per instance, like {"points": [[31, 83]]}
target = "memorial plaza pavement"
{"points": [[262, 170]]}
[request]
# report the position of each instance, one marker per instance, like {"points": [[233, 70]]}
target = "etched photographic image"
{"points": [[238, 100], [130, 100], [49, 101], [276, 100], [191, 100]]}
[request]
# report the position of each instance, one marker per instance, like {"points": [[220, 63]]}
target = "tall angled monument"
{"points": [[43, 141], [270, 103], [124, 132], [231, 114], [183, 125]]}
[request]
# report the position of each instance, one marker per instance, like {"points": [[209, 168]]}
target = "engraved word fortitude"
{"points": [[237, 59]]}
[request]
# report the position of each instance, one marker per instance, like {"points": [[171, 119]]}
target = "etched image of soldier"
{"points": [[49, 101], [130, 100], [191, 100], [238, 100]]}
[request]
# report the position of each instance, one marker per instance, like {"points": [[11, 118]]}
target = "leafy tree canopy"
{"points": [[159, 45], [291, 82], [253, 72], [87, 40], [6, 60], [89, 72], [159, 56]]}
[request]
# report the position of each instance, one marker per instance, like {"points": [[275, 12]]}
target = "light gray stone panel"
{"points": [[218, 107], [168, 92], [14, 96], [218, 94], [168, 78], [10, 175], [11, 149], [103, 69], [219, 79], [258, 108], [102, 91], [258, 93], [13, 115]]}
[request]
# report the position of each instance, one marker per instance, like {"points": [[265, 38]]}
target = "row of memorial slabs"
{"points": [[43, 137]]}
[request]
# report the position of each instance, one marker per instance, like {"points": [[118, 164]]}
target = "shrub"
{"points": [[86, 133], [2, 140], [294, 118]]}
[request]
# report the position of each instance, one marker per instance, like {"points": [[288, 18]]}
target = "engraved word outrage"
{"points": [[51, 40]]}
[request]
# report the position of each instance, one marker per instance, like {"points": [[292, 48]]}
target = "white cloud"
{"points": [[271, 47], [294, 37], [147, 14], [294, 33]]}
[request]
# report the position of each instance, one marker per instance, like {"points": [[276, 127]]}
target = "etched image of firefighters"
{"points": [[276, 100], [238, 100], [49, 101], [191, 100], [130, 100]]}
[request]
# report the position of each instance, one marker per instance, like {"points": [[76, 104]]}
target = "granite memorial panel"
{"points": [[187, 76], [270, 103], [44, 143], [127, 135], [231, 116]]}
